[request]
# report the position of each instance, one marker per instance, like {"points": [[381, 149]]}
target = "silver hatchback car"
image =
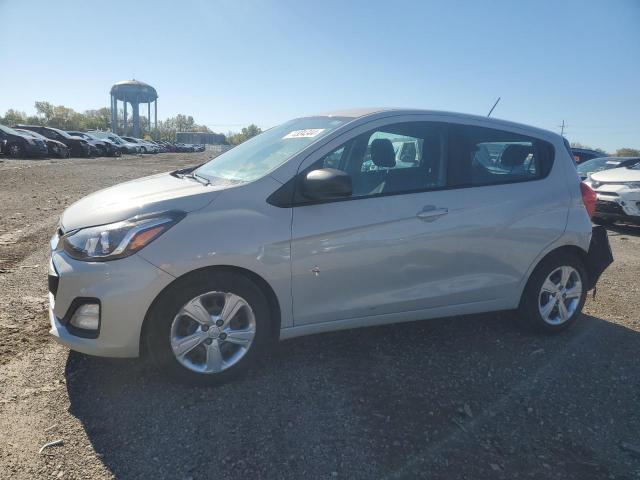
{"points": [[327, 222]]}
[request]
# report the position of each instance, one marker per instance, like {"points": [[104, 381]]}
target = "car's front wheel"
{"points": [[209, 327], [555, 294], [15, 150]]}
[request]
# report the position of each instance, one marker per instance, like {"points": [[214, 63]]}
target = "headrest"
{"points": [[382, 153], [515, 155]]}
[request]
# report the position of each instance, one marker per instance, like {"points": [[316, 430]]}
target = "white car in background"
{"points": [[144, 146], [618, 192]]}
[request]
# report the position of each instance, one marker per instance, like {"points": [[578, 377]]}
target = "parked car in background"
{"points": [[184, 147], [618, 195], [583, 154], [77, 146], [160, 146], [125, 146], [55, 148], [604, 163], [18, 144], [144, 146], [105, 146], [170, 147], [287, 235]]}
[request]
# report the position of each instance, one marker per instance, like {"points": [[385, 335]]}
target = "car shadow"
{"points": [[624, 229], [464, 397]]}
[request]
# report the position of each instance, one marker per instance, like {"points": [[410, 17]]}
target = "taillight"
{"points": [[589, 198]]}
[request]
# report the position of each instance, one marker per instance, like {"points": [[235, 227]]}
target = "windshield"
{"points": [[597, 164], [261, 154]]}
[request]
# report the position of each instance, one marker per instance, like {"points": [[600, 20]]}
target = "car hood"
{"points": [[617, 175], [156, 193]]}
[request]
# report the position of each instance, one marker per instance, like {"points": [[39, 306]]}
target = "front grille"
{"points": [[609, 207]]}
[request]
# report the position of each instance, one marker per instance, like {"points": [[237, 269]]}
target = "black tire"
{"points": [[157, 331], [117, 152], [15, 150], [528, 313], [605, 222]]}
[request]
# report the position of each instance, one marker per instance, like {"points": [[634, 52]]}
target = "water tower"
{"points": [[135, 93]]}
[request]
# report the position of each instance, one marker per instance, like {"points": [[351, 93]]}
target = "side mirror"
{"points": [[326, 183]]}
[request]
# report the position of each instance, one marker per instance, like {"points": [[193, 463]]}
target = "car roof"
{"points": [[356, 113]]}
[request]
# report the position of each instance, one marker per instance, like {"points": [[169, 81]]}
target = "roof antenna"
{"points": [[494, 106]]}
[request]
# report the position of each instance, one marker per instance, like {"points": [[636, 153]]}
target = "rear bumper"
{"points": [[599, 256]]}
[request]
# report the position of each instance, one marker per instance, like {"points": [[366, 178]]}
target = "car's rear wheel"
{"points": [[15, 150], [208, 328], [555, 294]]}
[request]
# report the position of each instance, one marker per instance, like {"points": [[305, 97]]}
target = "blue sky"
{"points": [[229, 63]]}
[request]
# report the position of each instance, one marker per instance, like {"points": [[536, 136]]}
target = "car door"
{"points": [[510, 208], [391, 246]]}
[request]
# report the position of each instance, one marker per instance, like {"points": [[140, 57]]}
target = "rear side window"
{"points": [[485, 156]]}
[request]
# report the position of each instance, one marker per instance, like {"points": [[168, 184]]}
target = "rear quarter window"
{"points": [[485, 156]]}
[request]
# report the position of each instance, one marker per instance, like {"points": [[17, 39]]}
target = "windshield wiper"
{"points": [[198, 178]]}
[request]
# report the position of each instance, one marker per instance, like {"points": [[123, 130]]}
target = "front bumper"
{"points": [[80, 150], [125, 289], [36, 150], [618, 202]]}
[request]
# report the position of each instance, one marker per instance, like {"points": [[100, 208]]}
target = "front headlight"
{"points": [[118, 240], [632, 184]]}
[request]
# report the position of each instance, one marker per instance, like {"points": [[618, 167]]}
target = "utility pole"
{"points": [[562, 127]]}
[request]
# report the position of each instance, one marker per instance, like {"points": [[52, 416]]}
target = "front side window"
{"points": [[398, 158], [484, 156], [263, 153]]}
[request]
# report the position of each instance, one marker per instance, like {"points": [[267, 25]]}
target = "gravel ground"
{"points": [[467, 398]]}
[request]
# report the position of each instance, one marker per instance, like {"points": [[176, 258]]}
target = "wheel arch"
{"points": [[574, 250], [272, 299]]}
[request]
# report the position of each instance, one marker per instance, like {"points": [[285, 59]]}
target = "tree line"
{"points": [[65, 118]]}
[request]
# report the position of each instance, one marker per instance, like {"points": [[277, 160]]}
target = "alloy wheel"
{"points": [[212, 332], [15, 150], [560, 295]]}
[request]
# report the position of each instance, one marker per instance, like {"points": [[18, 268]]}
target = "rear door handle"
{"points": [[431, 212]]}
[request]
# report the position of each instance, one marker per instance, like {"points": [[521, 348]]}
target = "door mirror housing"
{"points": [[325, 184]]}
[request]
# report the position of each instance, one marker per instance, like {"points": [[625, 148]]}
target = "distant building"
{"points": [[200, 138]]}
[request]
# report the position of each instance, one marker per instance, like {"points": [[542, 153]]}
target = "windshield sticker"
{"points": [[613, 163], [308, 133]]}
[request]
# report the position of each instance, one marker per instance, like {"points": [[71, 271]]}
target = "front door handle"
{"points": [[431, 212]]}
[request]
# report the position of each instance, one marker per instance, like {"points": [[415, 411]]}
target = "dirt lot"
{"points": [[470, 397]]}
